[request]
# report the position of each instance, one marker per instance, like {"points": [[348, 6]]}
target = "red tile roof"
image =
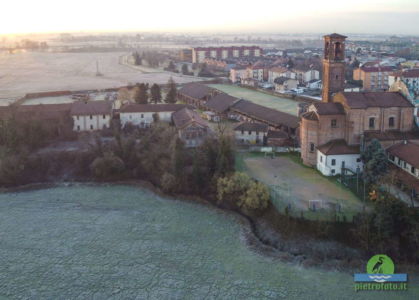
{"points": [[329, 108], [265, 114], [195, 90], [246, 126], [408, 152], [101, 107], [43, 111], [412, 73], [336, 35], [134, 107], [375, 99], [186, 116], [338, 147], [377, 69], [221, 102]]}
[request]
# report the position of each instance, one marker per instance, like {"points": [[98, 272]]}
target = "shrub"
{"points": [[168, 183], [240, 190], [107, 166]]}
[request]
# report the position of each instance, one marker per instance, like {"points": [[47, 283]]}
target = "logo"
{"points": [[380, 275]]}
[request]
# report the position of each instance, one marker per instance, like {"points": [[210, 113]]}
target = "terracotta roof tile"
{"points": [[329, 108], [185, 116], [195, 90], [338, 147], [412, 73], [265, 114], [101, 107], [221, 102], [134, 107], [376, 99], [408, 152], [246, 126], [336, 35]]}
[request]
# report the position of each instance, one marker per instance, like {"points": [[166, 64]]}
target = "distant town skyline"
{"points": [[356, 16]]}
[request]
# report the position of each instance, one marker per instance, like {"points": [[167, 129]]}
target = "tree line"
{"points": [[143, 93]]}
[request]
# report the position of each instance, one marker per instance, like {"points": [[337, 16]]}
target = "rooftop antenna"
{"points": [[97, 69]]}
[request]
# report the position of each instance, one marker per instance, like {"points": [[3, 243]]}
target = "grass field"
{"points": [[297, 186], [278, 103], [29, 72]]}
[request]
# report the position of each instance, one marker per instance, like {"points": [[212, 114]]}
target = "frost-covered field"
{"points": [[28, 72], [118, 242]]}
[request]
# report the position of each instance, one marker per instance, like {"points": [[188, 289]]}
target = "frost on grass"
{"points": [[100, 242]]}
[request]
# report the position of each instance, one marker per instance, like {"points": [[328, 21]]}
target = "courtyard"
{"points": [[302, 189]]}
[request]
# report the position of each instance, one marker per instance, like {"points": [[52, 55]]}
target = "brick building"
{"points": [[345, 121], [374, 77], [199, 54]]}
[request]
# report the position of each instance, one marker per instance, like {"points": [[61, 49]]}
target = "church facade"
{"points": [[333, 132]]}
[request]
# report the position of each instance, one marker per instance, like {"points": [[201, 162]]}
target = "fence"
{"points": [[322, 210], [273, 149]]}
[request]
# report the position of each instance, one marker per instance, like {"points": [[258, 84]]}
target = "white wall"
{"points": [[237, 75], [310, 75], [324, 163], [143, 119], [91, 122], [245, 137], [404, 166]]}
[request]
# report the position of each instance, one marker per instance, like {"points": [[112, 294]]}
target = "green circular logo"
{"points": [[380, 264]]}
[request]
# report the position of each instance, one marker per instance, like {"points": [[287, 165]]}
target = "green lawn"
{"points": [[278, 103]]}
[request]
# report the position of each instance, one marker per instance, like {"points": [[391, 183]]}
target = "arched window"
{"points": [[338, 50], [311, 147], [371, 122], [326, 50], [391, 122]]}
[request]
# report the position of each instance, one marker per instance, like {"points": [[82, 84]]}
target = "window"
{"points": [[412, 170], [242, 131], [104, 116], [321, 158], [391, 157], [91, 117], [372, 123], [333, 123], [311, 147], [78, 127], [333, 162], [77, 118], [333, 171], [358, 160], [91, 127], [142, 115], [404, 165], [249, 132], [391, 122]]}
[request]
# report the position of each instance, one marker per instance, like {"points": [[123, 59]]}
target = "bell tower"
{"points": [[333, 65]]}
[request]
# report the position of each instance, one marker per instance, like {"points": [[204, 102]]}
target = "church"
{"points": [[334, 131]]}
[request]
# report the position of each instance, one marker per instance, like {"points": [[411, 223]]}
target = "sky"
{"points": [[276, 16]]}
